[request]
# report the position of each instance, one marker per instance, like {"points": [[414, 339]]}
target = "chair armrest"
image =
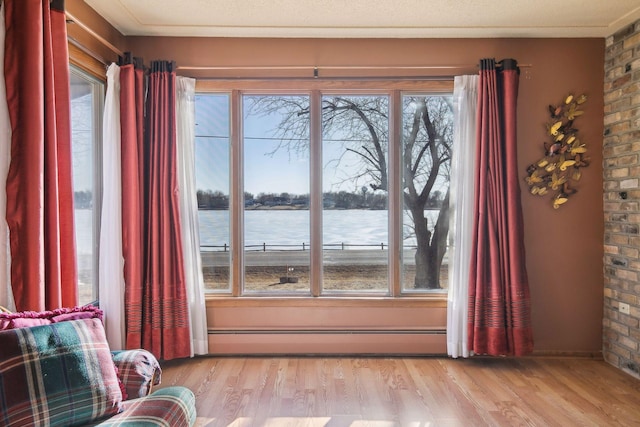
{"points": [[138, 370], [171, 406]]}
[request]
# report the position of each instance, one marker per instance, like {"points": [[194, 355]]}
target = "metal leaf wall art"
{"points": [[565, 155]]}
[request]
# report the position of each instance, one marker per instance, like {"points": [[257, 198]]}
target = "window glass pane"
{"points": [[213, 187], [86, 110], [427, 141], [355, 216], [276, 190]]}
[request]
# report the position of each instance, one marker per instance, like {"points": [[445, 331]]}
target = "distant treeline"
{"points": [[209, 200], [331, 200]]}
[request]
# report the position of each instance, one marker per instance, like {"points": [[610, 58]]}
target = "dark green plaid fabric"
{"points": [[57, 375]]}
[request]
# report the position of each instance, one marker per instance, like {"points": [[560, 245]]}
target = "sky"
{"points": [[82, 137], [266, 169]]}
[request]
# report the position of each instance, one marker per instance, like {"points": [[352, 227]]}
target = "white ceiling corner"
{"points": [[368, 18]]}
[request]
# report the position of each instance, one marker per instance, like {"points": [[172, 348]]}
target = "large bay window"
{"points": [[337, 189]]}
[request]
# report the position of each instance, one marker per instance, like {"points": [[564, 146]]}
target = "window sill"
{"points": [[436, 300]]}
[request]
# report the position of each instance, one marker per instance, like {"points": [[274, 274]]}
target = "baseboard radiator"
{"points": [[367, 326]]}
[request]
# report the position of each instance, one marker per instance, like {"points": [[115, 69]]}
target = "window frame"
{"points": [[316, 89]]}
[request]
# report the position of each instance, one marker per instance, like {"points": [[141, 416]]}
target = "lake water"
{"points": [[355, 228], [279, 227], [361, 231], [292, 227]]}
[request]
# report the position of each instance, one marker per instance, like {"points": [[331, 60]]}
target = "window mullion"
{"points": [[316, 193], [236, 196], [395, 194]]}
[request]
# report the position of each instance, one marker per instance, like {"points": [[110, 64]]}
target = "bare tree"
{"points": [[363, 123], [427, 144]]}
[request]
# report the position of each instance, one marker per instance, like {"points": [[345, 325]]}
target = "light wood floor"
{"points": [[420, 392]]}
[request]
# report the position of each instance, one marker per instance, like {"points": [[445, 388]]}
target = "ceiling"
{"points": [[368, 18]]}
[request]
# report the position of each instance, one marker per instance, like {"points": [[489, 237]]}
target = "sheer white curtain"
{"points": [[185, 122], [6, 299], [111, 262], [465, 98]]}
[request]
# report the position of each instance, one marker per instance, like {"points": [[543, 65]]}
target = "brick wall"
{"points": [[621, 158]]}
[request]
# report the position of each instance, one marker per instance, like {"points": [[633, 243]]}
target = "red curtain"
{"points": [[499, 300], [165, 316], [39, 182], [132, 83]]}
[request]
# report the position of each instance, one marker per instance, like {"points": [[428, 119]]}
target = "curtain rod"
{"points": [[93, 34], [315, 69], [446, 71]]}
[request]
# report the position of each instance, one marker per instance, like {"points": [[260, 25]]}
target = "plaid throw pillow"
{"points": [[59, 374]]}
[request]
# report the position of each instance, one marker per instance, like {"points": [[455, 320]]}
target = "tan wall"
{"points": [[564, 247]]}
